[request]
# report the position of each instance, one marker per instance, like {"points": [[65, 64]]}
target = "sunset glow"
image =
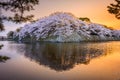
{"points": [[60, 39], [93, 9]]}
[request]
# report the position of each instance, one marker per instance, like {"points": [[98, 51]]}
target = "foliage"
{"points": [[18, 29], [10, 34], [3, 58], [115, 9], [1, 25], [18, 8], [1, 46], [85, 19]]}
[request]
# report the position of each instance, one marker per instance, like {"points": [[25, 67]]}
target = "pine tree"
{"points": [[115, 9], [18, 8]]}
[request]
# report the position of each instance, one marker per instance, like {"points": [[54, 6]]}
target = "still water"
{"points": [[60, 61]]}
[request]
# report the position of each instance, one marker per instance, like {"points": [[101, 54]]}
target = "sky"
{"points": [[96, 10]]}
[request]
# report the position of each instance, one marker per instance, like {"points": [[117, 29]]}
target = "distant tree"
{"points": [[115, 9], [3, 58], [10, 34], [18, 29], [18, 8], [1, 22], [1, 25], [85, 19]]}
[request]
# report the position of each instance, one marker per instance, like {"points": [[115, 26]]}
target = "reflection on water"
{"points": [[63, 56], [61, 61], [3, 58]]}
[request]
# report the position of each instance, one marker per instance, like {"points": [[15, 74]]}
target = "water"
{"points": [[60, 61]]}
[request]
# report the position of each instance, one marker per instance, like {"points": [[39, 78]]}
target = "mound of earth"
{"points": [[65, 27]]}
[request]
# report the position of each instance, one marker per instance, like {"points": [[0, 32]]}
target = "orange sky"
{"points": [[96, 10]]}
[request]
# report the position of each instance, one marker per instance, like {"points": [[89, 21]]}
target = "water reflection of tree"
{"points": [[63, 56], [3, 58]]}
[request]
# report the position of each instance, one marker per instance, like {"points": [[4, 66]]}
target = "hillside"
{"points": [[65, 27]]}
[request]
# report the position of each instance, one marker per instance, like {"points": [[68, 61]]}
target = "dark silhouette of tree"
{"points": [[1, 22], [10, 35], [85, 19], [18, 8], [1, 25], [3, 58], [115, 9]]}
